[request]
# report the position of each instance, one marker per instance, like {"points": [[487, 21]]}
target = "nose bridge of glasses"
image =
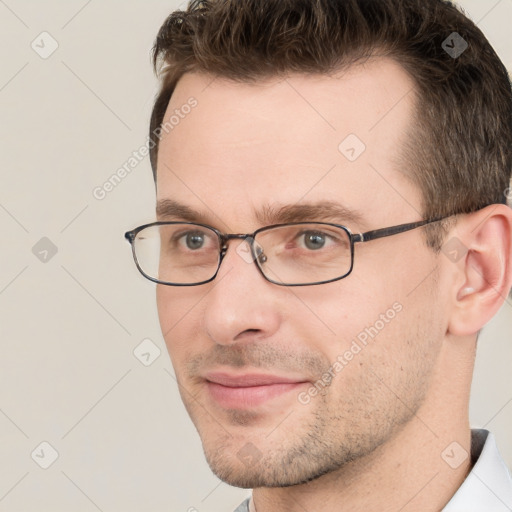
{"points": [[225, 238], [248, 249], [234, 236]]}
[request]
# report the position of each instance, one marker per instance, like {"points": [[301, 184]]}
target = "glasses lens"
{"points": [[177, 253], [304, 253]]}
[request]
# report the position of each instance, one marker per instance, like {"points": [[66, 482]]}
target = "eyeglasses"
{"points": [[294, 254]]}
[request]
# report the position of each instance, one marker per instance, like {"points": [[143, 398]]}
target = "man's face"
{"points": [[256, 362]]}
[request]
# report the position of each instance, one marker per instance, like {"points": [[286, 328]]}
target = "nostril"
{"points": [[247, 334]]}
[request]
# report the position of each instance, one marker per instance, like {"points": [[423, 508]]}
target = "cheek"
{"points": [[392, 356], [393, 268], [166, 312], [180, 313], [340, 312], [376, 312]]}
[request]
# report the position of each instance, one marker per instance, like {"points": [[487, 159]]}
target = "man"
{"points": [[332, 235]]}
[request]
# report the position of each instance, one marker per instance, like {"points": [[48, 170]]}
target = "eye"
{"points": [[314, 240], [194, 240]]}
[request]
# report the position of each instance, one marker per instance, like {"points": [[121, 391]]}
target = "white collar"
{"points": [[488, 487]]}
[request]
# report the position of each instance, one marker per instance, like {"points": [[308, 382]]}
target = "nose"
{"points": [[241, 304]]}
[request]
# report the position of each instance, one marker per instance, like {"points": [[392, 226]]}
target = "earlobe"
{"points": [[485, 274]]}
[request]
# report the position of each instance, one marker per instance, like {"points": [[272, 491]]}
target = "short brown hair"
{"points": [[460, 150]]}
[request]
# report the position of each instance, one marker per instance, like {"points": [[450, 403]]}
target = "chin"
{"points": [[242, 464]]}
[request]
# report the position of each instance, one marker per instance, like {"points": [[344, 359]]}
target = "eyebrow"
{"points": [[306, 212], [326, 211], [169, 208]]}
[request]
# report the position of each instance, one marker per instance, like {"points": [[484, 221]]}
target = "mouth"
{"points": [[247, 391]]}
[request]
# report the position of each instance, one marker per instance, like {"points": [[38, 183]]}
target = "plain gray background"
{"points": [[70, 321]]}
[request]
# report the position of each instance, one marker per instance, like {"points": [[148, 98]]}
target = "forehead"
{"points": [[300, 138]]}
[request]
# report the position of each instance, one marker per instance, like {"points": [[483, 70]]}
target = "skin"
{"points": [[373, 439]]}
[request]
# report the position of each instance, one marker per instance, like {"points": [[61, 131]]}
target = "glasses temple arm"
{"points": [[393, 230]]}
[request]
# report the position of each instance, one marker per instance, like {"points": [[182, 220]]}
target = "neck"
{"points": [[419, 468]]}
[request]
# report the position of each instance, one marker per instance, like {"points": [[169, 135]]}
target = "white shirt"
{"points": [[487, 488]]}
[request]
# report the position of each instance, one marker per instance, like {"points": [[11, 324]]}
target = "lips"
{"points": [[248, 390]]}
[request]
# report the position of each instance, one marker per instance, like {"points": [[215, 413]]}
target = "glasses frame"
{"points": [[224, 238]]}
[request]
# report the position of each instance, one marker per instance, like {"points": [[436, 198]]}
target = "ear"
{"points": [[484, 274]]}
